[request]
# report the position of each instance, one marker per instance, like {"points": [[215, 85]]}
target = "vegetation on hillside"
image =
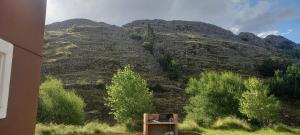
{"points": [[270, 65], [286, 84], [170, 66]]}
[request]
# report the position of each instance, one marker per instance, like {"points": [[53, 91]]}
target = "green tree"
{"points": [[287, 84], [129, 97], [57, 105], [214, 95], [257, 104]]}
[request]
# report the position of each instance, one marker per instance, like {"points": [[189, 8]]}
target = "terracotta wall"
{"points": [[22, 24]]}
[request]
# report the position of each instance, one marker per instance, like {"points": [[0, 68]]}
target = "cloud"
{"points": [[236, 15], [262, 17], [274, 32]]}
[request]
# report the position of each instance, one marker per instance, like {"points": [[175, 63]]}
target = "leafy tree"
{"points": [[214, 95], [129, 97], [257, 104], [57, 105], [287, 84]]}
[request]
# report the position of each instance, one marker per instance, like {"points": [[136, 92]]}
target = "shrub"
{"points": [[257, 104], [129, 97], [169, 65], [56, 105], [287, 84], [135, 36], [100, 84], [214, 95], [231, 123]]}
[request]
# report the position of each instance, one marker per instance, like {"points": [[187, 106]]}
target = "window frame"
{"points": [[6, 55]]}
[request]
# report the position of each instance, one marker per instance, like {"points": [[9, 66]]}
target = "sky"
{"points": [[261, 17]]}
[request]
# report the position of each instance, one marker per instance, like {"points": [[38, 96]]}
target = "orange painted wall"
{"points": [[22, 24]]}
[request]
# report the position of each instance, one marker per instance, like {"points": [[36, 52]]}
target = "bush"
{"points": [[257, 104], [129, 98], [214, 95], [56, 105], [287, 84], [231, 123], [169, 65]]}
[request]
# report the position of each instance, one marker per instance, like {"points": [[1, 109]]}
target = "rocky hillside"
{"points": [[85, 53]]}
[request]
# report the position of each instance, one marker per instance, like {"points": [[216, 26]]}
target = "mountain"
{"points": [[94, 50], [83, 53]]}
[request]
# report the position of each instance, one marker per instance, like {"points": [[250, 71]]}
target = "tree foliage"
{"points": [[286, 84], [257, 104], [269, 66], [129, 97], [214, 95], [57, 105]]}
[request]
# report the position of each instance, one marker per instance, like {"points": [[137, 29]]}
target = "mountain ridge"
{"points": [[196, 46], [87, 22]]}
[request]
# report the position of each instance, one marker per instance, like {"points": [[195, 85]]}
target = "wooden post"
{"points": [[145, 132]]}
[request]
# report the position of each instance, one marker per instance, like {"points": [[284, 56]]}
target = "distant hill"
{"points": [[84, 52]]}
